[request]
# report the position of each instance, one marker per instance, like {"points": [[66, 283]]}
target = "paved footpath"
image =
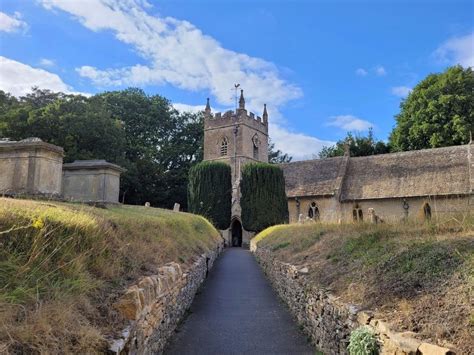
{"points": [[237, 312]]}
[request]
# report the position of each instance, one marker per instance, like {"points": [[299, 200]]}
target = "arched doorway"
{"points": [[236, 233]]}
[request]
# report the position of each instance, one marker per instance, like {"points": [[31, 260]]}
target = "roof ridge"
{"points": [[416, 151]]}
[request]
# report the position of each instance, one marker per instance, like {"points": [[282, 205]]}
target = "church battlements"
{"points": [[231, 117]]}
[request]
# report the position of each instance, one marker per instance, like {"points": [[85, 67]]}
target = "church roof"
{"points": [[311, 177], [428, 172]]}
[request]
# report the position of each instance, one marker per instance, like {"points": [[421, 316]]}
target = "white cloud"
{"points": [[401, 91], [188, 108], [297, 145], [350, 123], [45, 62], [457, 50], [12, 23], [178, 53], [18, 78], [380, 70], [361, 72]]}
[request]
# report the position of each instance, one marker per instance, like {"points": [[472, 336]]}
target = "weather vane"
{"points": [[236, 86]]}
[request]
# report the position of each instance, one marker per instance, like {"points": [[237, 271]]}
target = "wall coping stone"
{"points": [[29, 144], [92, 165]]}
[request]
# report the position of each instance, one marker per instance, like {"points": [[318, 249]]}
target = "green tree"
{"points": [[81, 125], [210, 192], [358, 146], [161, 146], [438, 112], [263, 198], [277, 156]]}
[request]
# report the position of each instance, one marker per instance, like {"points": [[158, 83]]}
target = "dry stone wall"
{"points": [[157, 303], [327, 320]]}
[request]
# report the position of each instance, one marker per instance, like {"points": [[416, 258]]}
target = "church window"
{"points": [[313, 211], [224, 145], [357, 214], [427, 211]]}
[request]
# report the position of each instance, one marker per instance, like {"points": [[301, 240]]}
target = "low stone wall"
{"points": [[157, 303], [327, 320]]}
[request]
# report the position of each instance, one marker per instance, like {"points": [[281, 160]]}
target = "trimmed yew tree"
{"points": [[210, 192], [263, 198]]}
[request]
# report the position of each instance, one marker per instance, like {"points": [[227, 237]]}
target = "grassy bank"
{"points": [[419, 278], [63, 265]]}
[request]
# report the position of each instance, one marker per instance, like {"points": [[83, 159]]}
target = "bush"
{"points": [[210, 192], [363, 342], [263, 199]]}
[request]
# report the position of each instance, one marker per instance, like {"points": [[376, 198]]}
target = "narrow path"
{"points": [[237, 312]]}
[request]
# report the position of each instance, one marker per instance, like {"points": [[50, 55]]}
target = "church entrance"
{"points": [[236, 233]]}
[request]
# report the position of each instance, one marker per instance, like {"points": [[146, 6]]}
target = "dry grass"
{"points": [[62, 265], [419, 277]]}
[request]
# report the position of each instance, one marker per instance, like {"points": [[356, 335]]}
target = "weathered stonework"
{"points": [[31, 167], [91, 181], [156, 304], [236, 138], [395, 186], [327, 320]]}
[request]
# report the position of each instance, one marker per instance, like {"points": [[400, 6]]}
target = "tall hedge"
{"points": [[263, 198], [210, 192]]}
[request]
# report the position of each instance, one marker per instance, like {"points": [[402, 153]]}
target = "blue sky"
{"points": [[323, 67]]}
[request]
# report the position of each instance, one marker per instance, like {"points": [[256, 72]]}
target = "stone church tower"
{"points": [[236, 138]]}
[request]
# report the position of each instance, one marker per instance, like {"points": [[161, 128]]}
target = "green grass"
{"points": [[74, 257]]}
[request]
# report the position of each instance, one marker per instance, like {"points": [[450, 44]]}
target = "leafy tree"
{"points": [[263, 198], [81, 125], [358, 146], [161, 146], [210, 192], [277, 156], [438, 112]]}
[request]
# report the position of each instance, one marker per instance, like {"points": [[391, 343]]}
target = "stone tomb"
{"points": [[30, 166], [91, 181]]}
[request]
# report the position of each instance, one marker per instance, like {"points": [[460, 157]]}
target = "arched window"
{"points": [[255, 143], [427, 211], [357, 214], [224, 144], [313, 211]]}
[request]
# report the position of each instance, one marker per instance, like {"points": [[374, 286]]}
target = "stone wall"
{"points": [[390, 210], [156, 304], [328, 321]]}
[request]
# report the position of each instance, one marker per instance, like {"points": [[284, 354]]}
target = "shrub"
{"points": [[210, 192], [263, 199], [363, 342]]}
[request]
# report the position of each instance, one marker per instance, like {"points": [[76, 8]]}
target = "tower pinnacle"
{"points": [[242, 100], [207, 110], [265, 114]]}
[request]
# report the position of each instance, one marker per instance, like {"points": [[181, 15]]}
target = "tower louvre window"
{"points": [[224, 145]]}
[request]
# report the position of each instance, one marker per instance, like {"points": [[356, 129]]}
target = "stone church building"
{"points": [[414, 185], [236, 137]]}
